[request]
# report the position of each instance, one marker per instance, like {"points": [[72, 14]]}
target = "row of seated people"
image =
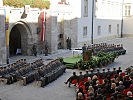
{"points": [[7, 72], [50, 72], [115, 86], [37, 63], [29, 72], [108, 48]]}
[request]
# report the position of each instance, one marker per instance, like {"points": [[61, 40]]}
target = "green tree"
{"points": [[33, 3]]}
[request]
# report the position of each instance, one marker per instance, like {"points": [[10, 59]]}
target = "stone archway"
{"points": [[18, 39]]}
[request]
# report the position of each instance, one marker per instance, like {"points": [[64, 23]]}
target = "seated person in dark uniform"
{"points": [[81, 77], [119, 70], [86, 75], [103, 74], [98, 73], [73, 77]]}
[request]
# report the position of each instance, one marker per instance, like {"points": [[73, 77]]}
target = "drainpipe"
{"points": [[92, 21], [122, 20]]}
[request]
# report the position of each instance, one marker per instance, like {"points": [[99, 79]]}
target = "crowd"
{"points": [[110, 85], [104, 47], [28, 72]]}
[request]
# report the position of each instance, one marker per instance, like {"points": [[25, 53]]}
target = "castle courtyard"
{"points": [[57, 90]]}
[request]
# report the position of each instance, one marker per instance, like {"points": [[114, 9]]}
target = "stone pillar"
{"points": [[52, 33], [3, 54]]}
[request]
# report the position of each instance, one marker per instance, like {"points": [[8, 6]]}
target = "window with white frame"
{"points": [[109, 29], [84, 31], [96, 12], [85, 8], [99, 30], [127, 10]]}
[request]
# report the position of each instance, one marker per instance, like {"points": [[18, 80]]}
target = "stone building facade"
{"points": [[3, 54], [21, 30], [76, 17]]}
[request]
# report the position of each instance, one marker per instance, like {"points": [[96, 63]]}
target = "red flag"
{"points": [[43, 26]]}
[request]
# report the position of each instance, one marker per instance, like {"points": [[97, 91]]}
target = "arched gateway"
{"points": [[18, 39]]}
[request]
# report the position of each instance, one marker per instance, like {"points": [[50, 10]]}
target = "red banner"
{"points": [[43, 26]]}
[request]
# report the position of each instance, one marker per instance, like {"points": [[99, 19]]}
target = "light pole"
{"points": [[122, 20], [92, 21]]}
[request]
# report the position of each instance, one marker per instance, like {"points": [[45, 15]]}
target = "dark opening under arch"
{"points": [[18, 39], [14, 40]]}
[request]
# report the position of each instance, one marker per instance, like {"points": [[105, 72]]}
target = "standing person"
{"points": [[70, 44], [84, 48], [67, 41], [34, 50], [46, 48]]}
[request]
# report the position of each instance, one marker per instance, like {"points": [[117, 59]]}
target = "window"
{"points": [[96, 12], [99, 30], [84, 31], [109, 29], [85, 8], [117, 28], [127, 10]]}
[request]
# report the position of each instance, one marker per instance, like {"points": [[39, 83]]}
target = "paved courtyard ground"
{"points": [[57, 90]]}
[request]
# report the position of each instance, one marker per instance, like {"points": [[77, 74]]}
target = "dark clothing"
{"points": [[86, 75], [81, 77], [84, 48], [129, 98], [119, 71], [75, 77], [46, 49], [34, 50], [68, 41], [121, 87]]}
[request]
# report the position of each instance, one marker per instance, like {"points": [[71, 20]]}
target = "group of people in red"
{"points": [[104, 85]]}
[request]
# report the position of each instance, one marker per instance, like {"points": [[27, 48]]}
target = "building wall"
{"points": [[106, 12], [104, 24], [30, 20], [3, 50], [128, 20], [108, 9], [27, 25], [84, 21], [66, 20], [103, 16]]}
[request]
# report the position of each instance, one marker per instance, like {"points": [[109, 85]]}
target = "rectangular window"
{"points": [[127, 10], [85, 8], [84, 31], [109, 29], [117, 28], [96, 12], [99, 30]]}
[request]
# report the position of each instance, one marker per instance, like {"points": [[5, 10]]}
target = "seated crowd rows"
{"points": [[110, 85], [108, 48], [28, 72]]}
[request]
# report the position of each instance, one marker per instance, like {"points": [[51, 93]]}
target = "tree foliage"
{"points": [[33, 3]]}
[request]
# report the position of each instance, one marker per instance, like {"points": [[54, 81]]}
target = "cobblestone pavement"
{"points": [[57, 90]]}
